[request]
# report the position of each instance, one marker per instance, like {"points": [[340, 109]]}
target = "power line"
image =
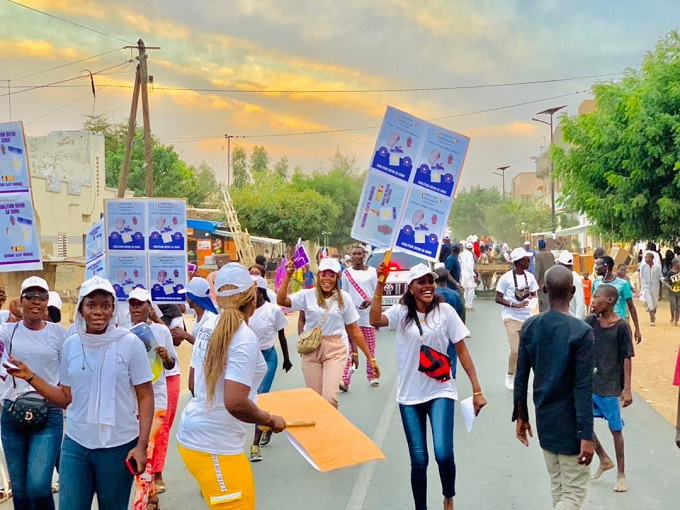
{"points": [[369, 91], [69, 22], [48, 85], [328, 131], [66, 65]]}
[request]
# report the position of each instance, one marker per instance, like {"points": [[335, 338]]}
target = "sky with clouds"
{"points": [[324, 45]]}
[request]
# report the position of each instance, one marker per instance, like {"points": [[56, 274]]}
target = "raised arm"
{"points": [[375, 315], [282, 298]]}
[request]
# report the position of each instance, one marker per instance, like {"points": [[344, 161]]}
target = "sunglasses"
{"points": [[35, 294]]}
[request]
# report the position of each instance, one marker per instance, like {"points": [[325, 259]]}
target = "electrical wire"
{"points": [[329, 131], [70, 22], [66, 65], [365, 91], [48, 85]]}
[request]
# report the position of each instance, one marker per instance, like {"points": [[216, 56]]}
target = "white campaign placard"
{"points": [[125, 220], [96, 267], [410, 185], [126, 271], [94, 244], [167, 276], [14, 174], [20, 246], [167, 224]]}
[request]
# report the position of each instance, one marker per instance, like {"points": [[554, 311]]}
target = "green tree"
{"points": [[342, 184], [623, 169], [281, 167], [510, 220], [259, 161], [469, 211], [239, 167]]}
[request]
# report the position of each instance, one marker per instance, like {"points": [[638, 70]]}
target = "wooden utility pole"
{"points": [[141, 88]]}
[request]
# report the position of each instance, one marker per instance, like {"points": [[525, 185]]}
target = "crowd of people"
{"points": [[98, 401]]}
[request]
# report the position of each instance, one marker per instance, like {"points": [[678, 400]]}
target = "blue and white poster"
{"points": [[126, 272], [423, 224], [14, 175], [94, 243], [380, 206], [167, 224], [20, 246], [96, 267], [125, 221], [398, 143], [440, 162], [167, 276]]}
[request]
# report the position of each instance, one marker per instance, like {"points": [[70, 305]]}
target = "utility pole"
{"points": [[228, 137], [501, 172], [140, 88]]}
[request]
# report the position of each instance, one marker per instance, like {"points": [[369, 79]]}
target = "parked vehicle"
{"points": [[400, 264]]}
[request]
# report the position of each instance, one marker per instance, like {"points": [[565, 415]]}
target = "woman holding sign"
{"points": [[425, 329], [332, 311]]}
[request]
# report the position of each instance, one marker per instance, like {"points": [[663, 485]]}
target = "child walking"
{"points": [[672, 281], [612, 353]]}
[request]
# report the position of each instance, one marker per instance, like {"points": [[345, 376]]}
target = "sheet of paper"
{"points": [[468, 410], [533, 303]]}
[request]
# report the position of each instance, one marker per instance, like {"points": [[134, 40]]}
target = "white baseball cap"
{"points": [[566, 259], [54, 299], [527, 243], [233, 274], [34, 281], [197, 286], [469, 245], [418, 271], [328, 263], [519, 254], [140, 294], [260, 282]]}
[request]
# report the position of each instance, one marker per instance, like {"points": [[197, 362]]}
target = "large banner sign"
{"points": [[19, 240], [409, 189], [145, 247]]}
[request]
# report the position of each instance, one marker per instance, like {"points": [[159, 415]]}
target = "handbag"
{"points": [[27, 412], [433, 363], [523, 293], [310, 340]]}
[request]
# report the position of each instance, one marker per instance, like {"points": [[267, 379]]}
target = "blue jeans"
{"points": [[413, 417], [84, 472], [31, 457], [272, 360], [452, 353]]}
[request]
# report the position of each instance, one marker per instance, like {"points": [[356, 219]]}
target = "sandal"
{"points": [[153, 504], [160, 487]]}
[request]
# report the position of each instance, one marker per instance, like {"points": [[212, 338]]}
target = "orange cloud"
{"points": [[37, 48], [81, 8]]}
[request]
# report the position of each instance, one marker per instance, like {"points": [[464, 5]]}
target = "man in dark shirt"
{"points": [[558, 347], [453, 298], [446, 248], [453, 265], [544, 261]]}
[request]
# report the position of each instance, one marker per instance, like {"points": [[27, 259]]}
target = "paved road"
{"points": [[495, 471]]}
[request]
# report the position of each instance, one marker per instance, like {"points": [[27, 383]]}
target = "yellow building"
{"points": [[526, 186]]}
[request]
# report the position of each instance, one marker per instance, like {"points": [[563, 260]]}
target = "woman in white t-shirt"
{"points": [[139, 302], [32, 453], [226, 370], [331, 308], [268, 323], [425, 328], [105, 382]]}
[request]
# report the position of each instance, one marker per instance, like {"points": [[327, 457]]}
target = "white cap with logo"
{"points": [[328, 263], [34, 281], [418, 271], [566, 259], [519, 254], [197, 286], [233, 274], [140, 294]]}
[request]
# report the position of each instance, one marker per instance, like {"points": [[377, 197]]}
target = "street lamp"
{"points": [[551, 112], [501, 172]]}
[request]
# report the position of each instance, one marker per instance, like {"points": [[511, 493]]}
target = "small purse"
{"points": [[310, 340], [523, 293], [433, 363], [27, 412]]}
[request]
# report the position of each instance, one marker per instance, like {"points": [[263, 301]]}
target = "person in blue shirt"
{"points": [[559, 349], [532, 261], [453, 298]]}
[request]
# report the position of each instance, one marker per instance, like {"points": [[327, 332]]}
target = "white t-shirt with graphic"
{"points": [[207, 426], [132, 369], [367, 280], [41, 350], [266, 323], [160, 387], [506, 286], [441, 327], [336, 319]]}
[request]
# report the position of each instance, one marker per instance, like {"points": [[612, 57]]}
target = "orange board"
{"points": [[333, 443]]}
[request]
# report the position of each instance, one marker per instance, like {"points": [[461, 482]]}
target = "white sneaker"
{"points": [[510, 382], [374, 382]]}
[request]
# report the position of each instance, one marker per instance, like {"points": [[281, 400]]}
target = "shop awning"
{"points": [[572, 231], [204, 225], [254, 239]]}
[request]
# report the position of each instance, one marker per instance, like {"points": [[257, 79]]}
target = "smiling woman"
{"points": [[332, 310]]}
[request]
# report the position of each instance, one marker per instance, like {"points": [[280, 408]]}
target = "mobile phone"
{"points": [[131, 464]]}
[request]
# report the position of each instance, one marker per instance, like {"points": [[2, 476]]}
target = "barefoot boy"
{"points": [[558, 348], [612, 353]]}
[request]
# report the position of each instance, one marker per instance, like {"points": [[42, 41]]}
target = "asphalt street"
{"points": [[495, 471]]}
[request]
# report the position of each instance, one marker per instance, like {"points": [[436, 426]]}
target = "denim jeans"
{"points": [[31, 457], [452, 353], [413, 418], [84, 472], [272, 360]]}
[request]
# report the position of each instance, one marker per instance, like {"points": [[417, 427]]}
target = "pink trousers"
{"points": [[322, 369], [161, 450]]}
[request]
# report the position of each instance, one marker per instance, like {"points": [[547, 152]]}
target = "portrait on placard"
{"points": [[125, 221], [167, 224]]}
